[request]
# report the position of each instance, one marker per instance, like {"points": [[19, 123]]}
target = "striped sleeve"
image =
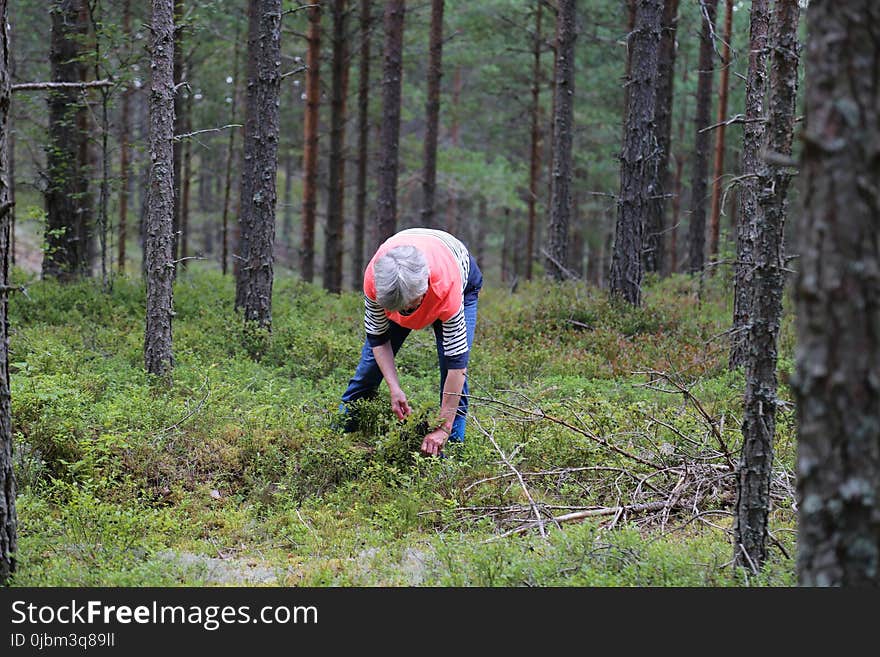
{"points": [[375, 322], [455, 345]]}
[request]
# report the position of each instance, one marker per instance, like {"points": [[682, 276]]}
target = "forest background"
{"points": [[606, 435]]}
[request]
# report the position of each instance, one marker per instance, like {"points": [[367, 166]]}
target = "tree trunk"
{"points": [[759, 418], [432, 113], [287, 214], [124, 149], [718, 166], [386, 203], [360, 221], [258, 195], [753, 132], [158, 246], [179, 92], [639, 159], [563, 129], [230, 156], [335, 226], [535, 150], [8, 518], [838, 301], [69, 229], [10, 130], [697, 229], [310, 144], [655, 220], [680, 156], [455, 141], [186, 172], [247, 182]]}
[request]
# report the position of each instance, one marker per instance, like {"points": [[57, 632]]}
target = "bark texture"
{"points": [[334, 227], [639, 159], [8, 518], [310, 144], [535, 150], [753, 132], [392, 78], [838, 301], [179, 81], [718, 163], [697, 229], [360, 213], [159, 261], [69, 221], [563, 129], [259, 170], [432, 113], [230, 156], [655, 222], [124, 151], [759, 417]]}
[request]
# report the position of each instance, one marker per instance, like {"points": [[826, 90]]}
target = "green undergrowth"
{"points": [[235, 471]]}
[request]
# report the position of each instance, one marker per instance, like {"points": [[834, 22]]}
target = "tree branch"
{"points": [[200, 132], [44, 86]]}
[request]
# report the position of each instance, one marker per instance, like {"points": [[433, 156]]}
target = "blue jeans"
{"points": [[367, 376]]}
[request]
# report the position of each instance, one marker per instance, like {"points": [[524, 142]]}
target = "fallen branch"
{"points": [[713, 425], [522, 482], [540, 414], [593, 513]]}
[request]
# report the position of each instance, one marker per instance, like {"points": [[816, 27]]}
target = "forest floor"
{"points": [[601, 443]]}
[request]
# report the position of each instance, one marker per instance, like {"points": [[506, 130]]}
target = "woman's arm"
{"points": [[434, 441], [384, 356]]}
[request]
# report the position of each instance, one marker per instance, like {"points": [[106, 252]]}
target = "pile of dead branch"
{"points": [[642, 481]]}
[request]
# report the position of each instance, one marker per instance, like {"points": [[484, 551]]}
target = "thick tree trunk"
{"points": [[8, 518], [158, 245], [759, 418], [838, 301], [258, 196], [360, 213], [335, 225], [124, 150], [718, 164], [310, 144], [535, 150], [639, 160], [392, 74], [563, 129], [69, 223], [432, 113], [697, 229], [753, 132], [655, 223]]}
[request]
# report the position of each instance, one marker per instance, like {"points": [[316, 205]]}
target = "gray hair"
{"points": [[401, 277]]}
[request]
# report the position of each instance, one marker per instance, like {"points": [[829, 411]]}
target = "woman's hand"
{"points": [[399, 404], [433, 443]]}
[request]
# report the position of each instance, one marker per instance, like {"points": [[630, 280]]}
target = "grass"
{"points": [[234, 472]]}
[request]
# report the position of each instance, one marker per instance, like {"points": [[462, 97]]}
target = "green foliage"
{"points": [[127, 481]]}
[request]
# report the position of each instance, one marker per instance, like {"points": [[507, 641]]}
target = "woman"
{"points": [[417, 278]]}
